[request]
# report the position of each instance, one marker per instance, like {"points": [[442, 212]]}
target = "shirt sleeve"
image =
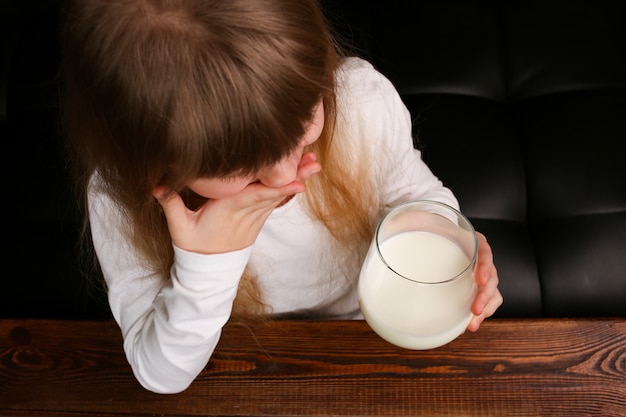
{"points": [[375, 114], [170, 325]]}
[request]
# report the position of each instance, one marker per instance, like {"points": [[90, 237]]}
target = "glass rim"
{"points": [[472, 260]]}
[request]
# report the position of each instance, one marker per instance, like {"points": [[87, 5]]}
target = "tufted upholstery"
{"points": [[41, 277], [519, 107]]}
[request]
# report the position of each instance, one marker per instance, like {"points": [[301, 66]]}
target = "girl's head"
{"points": [[165, 92], [181, 92]]}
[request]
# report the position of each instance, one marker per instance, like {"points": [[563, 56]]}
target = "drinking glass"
{"points": [[416, 285]]}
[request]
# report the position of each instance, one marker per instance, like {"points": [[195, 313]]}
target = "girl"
{"points": [[233, 163]]}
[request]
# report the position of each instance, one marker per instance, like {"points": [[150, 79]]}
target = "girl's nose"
{"points": [[279, 174]]}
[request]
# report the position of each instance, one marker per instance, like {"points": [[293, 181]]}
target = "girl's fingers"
{"points": [[484, 261], [494, 302], [308, 167], [486, 290], [488, 297], [221, 225], [307, 157], [260, 196], [171, 202], [176, 213]]}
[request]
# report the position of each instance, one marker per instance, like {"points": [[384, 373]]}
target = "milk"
{"points": [[424, 312]]}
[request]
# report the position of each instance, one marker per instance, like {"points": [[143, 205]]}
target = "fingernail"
{"points": [[158, 193]]}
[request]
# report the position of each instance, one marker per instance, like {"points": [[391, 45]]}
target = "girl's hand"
{"points": [[231, 223], [488, 297]]}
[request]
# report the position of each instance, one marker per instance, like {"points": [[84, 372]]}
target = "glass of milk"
{"points": [[416, 285]]}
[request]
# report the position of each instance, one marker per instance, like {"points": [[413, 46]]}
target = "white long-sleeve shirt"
{"points": [[171, 327]]}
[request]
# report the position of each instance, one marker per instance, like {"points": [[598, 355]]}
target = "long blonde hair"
{"points": [[161, 92]]}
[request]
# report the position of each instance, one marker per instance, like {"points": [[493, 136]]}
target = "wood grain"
{"points": [[510, 367]]}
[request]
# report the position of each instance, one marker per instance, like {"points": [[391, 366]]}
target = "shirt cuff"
{"points": [[198, 272]]}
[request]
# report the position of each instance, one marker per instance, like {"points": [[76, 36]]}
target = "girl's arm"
{"points": [[374, 112], [170, 325], [379, 115]]}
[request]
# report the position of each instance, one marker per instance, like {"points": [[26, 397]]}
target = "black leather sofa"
{"points": [[519, 107]]}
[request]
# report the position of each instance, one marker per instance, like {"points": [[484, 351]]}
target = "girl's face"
{"points": [[281, 173]]}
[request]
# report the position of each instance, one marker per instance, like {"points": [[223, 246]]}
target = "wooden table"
{"points": [[509, 368]]}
